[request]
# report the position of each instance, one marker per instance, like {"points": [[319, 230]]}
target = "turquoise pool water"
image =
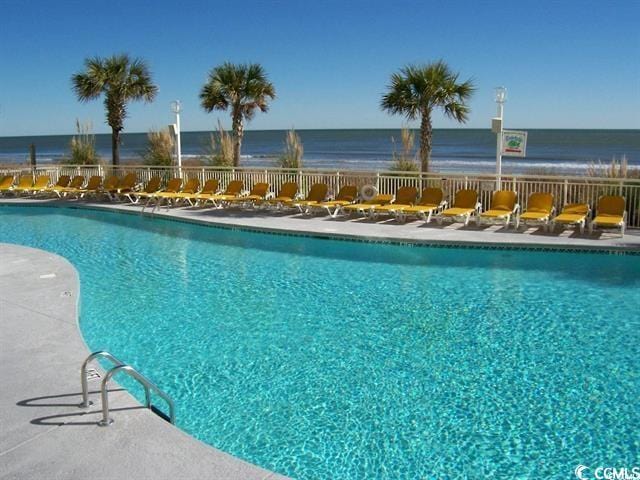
{"points": [[329, 359]]}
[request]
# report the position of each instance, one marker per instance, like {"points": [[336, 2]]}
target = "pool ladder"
{"points": [[118, 367]]}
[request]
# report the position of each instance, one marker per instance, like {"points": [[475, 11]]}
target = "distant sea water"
{"points": [[454, 150]]}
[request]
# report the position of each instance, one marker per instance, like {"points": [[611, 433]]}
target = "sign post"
{"points": [[497, 128], [176, 107]]}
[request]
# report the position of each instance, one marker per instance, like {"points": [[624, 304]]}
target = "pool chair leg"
{"points": [[590, 228], [466, 220], [581, 228]]}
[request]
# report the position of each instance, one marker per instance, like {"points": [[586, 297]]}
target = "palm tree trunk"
{"points": [[426, 132], [115, 146], [238, 131]]}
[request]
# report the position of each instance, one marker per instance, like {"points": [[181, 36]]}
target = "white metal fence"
{"points": [[565, 189]]}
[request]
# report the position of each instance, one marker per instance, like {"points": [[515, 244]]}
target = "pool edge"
{"points": [[174, 215]]}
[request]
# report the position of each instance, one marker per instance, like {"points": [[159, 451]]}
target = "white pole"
{"points": [[176, 107], [499, 147], [501, 95]]}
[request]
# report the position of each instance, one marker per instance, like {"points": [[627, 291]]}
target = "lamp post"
{"points": [[497, 127], [176, 107]]}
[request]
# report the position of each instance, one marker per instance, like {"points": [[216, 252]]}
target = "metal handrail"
{"points": [[146, 383], [83, 374]]}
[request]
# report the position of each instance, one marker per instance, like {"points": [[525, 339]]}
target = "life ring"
{"points": [[368, 192]]}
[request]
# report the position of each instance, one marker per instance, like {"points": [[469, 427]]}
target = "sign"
{"points": [[514, 143]]}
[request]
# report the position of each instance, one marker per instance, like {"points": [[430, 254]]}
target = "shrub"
{"points": [[293, 151], [83, 146], [615, 169], [160, 148], [405, 160], [219, 151]]}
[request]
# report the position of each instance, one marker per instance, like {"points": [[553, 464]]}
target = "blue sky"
{"points": [[566, 64]]}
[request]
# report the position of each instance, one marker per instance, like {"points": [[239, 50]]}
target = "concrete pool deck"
{"points": [[381, 230], [43, 433]]}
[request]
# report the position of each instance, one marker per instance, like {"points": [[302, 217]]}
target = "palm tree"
{"points": [[241, 88], [417, 89], [121, 79]]}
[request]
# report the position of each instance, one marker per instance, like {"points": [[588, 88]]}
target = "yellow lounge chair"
{"points": [[152, 187], [287, 194], [24, 184], [210, 188], [346, 195], [430, 202], [41, 184], [63, 182], [503, 206], [75, 183], [257, 194], [572, 214], [464, 207], [190, 188], [173, 186], [233, 190], [124, 186], [317, 194], [6, 183], [94, 185], [110, 183], [363, 208], [405, 197], [611, 213], [539, 210]]}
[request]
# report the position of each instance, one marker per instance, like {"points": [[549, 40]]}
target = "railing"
{"points": [[146, 383], [83, 374], [566, 189], [119, 366]]}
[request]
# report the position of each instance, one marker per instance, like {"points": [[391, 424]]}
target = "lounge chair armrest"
{"points": [[478, 207], [516, 209], [269, 196]]}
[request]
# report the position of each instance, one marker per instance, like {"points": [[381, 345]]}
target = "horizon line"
{"points": [[327, 129]]}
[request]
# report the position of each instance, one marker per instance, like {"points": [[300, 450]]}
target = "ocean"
{"points": [[454, 150]]}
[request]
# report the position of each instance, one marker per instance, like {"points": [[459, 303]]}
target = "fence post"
{"points": [[566, 192]]}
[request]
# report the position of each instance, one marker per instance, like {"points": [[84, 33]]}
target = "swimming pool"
{"points": [[334, 359]]}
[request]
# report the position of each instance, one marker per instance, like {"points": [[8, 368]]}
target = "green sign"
{"points": [[514, 143]]}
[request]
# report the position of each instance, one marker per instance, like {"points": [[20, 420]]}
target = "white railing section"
{"points": [[566, 189]]}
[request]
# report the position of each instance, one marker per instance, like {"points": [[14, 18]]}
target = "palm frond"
{"points": [[119, 78]]}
